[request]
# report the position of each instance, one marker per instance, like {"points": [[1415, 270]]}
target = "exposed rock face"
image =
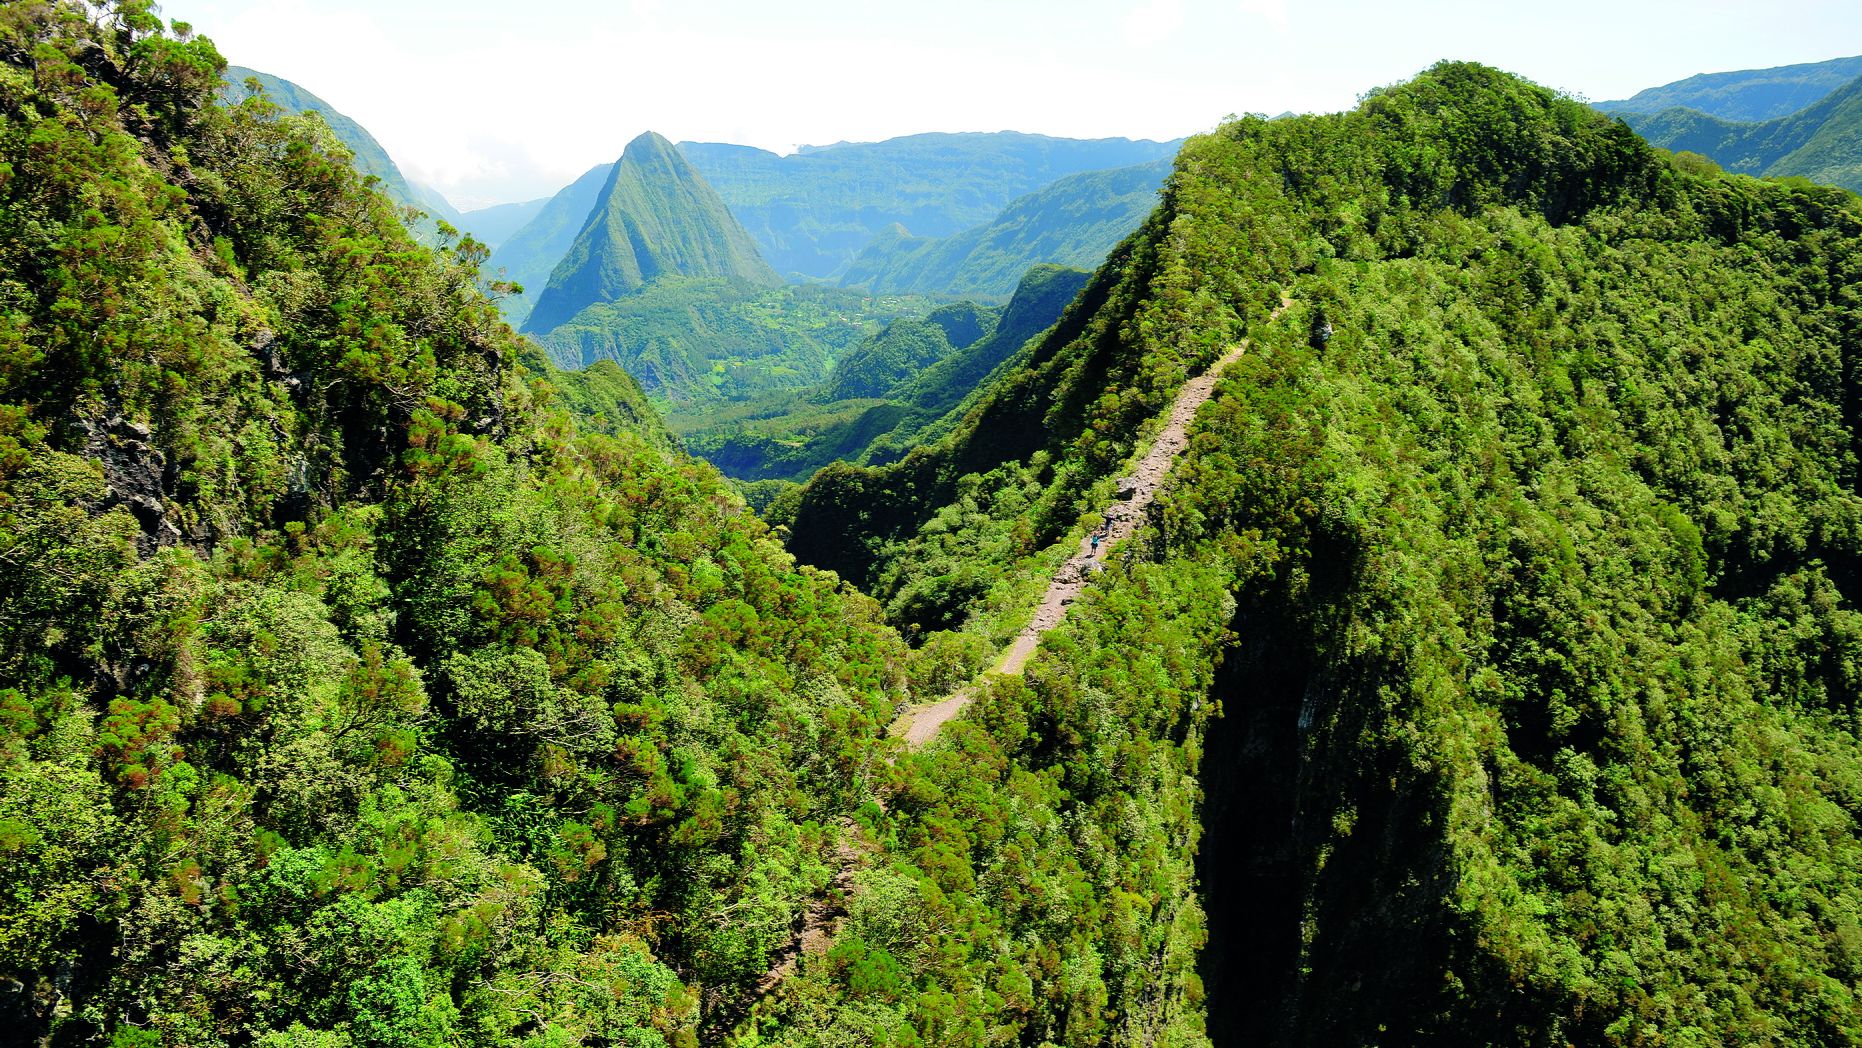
{"points": [[137, 476]]}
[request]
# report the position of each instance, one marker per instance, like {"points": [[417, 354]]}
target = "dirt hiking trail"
{"points": [[820, 922], [1136, 493]]}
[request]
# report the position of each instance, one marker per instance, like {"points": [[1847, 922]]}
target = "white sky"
{"points": [[493, 101]]}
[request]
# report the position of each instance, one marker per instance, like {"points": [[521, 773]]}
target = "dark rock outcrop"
{"points": [[137, 477]]}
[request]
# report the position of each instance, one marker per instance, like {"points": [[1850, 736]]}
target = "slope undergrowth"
{"points": [[350, 694], [1534, 524]]}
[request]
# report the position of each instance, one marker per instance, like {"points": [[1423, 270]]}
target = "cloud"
{"points": [[1273, 12], [1154, 21]]}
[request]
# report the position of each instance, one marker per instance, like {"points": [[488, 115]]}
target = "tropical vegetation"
{"points": [[900, 387], [1485, 672], [1533, 519]]}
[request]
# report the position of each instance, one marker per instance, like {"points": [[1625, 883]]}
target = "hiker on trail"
{"points": [[1096, 535]]}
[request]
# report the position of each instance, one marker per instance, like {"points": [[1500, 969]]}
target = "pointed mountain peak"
{"points": [[648, 143], [656, 218], [651, 156]]}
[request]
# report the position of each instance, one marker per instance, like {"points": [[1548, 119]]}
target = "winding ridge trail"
{"points": [[1136, 494], [820, 922]]}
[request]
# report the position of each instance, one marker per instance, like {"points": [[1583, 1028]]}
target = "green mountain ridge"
{"points": [[812, 212], [904, 349], [1822, 142], [1746, 95], [530, 253], [1523, 517], [1042, 296], [370, 158], [1487, 669], [1074, 221], [654, 218]]}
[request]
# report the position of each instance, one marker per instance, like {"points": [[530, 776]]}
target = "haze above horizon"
{"points": [[495, 103]]}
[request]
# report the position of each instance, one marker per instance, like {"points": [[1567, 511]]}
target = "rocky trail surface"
{"points": [[820, 921], [1136, 493]]}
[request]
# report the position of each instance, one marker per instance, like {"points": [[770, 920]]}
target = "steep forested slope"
{"points": [[1076, 221], [1535, 522], [905, 348], [353, 693], [813, 211], [528, 256], [349, 693], [370, 158], [1822, 142], [654, 219], [1040, 298], [1746, 94]]}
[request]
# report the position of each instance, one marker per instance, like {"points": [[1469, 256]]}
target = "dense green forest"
{"points": [[351, 690], [369, 156], [1534, 521], [1745, 95], [367, 681]]}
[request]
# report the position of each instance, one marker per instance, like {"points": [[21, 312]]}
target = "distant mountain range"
{"points": [[494, 225], [1075, 221], [814, 211], [966, 214], [958, 214], [918, 214], [654, 218], [1747, 94], [1821, 141], [646, 263]]}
